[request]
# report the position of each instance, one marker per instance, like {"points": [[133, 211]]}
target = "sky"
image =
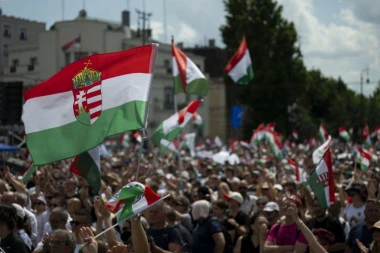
{"points": [[339, 37]]}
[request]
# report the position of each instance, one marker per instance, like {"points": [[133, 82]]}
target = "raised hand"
{"points": [[87, 237]]}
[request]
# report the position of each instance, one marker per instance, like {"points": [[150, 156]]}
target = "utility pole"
{"points": [[145, 17], [362, 95]]}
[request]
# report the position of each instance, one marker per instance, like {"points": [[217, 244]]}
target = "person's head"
{"points": [[260, 203], [156, 214], [7, 218], [73, 205], [181, 204], [317, 210], [200, 209], [3, 186], [255, 222], [243, 187], [219, 208], [324, 237], [63, 241], [272, 212], [290, 187], [20, 216], [21, 198], [203, 193], [335, 208], [375, 229], [80, 219], [58, 201], [234, 199], [39, 204], [357, 192], [58, 218], [372, 211], [291, 200], [8, 198], [70, 185], [171, 215]]}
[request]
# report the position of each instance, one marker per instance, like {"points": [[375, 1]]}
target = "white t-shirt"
{"points": [[354, 215]]}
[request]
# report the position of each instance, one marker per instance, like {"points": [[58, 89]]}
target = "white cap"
{"points": [[271, 206], [19, 210], [278, 187]]}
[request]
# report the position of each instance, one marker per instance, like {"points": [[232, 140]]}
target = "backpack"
{"points": [[229, 246]]}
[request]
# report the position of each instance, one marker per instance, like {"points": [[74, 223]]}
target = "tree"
{"points": [[280, 74]]}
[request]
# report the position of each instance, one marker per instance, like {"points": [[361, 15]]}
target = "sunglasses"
{"points": [[75, 222]]}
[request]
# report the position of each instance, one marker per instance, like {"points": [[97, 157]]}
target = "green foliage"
{"points": [[281, 78]]}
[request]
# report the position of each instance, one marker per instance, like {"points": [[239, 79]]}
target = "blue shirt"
{"points": [[202, 235], [162, 237], [361, 232]]}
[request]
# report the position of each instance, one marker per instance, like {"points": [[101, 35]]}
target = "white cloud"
{"points": [[338, 50]]}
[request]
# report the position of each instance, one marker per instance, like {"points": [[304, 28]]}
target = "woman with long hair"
{"points": [[252, 242]]}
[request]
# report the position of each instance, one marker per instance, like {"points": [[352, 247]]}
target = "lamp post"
{"points": [[361, 93]]}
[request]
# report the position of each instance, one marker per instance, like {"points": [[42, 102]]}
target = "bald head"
{"points": [[8, 198]]}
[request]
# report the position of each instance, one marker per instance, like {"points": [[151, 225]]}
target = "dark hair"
{"points": [[324, 236], [8, 216], [251, 221]]}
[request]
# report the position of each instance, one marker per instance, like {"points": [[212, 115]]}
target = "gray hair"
{"points": [[69, 238]]}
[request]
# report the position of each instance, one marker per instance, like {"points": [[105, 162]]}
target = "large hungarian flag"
{"points": [[171, 127], [321, 181], [239, 67], [88, 100], [186, 75], [134, 198], [87, 165]]}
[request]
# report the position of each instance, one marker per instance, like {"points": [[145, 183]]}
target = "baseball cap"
{"points": [[278, 187], [271, 206], [19, 210], [235, 196], [296, 200], [42, 199]]}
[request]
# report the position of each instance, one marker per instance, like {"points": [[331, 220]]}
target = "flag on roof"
{"points": [[321, 181], [133, 198], [171, 127], [186, 75], [72, 43], [87, 165], [239, 67], [87, 101]]}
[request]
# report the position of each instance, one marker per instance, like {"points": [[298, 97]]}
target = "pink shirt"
{"points": [[285, 235]]}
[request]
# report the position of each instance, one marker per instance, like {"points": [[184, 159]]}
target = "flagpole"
{"points": [[143, 136]]}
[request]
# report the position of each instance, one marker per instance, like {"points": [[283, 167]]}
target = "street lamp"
{"points": [[361, 91]]}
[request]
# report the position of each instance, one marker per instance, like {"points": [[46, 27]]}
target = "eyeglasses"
{"points": [[75, 222]]}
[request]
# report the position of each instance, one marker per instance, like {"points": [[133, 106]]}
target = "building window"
{"points": [[168, 98], [167, 66], [80, 55], [7, 32], [23, 34], [33, 60], [67, 58], [15, 62], [5, 50]]}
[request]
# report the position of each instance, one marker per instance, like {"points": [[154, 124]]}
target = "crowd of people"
{"points": [[255, 205]]}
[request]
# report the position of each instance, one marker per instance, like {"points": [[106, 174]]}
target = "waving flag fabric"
{"points": [[75, 42], [363, 158], [321, 181], [87, 101], [295, 168], [171, 127], [239, 67], [344, 134], [323, 134], [134, 198], [187, 76]]}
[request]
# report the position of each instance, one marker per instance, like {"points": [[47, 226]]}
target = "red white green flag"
{"points": [[258, 135], [321, 150], [295, 134], [311, 143], [171, 127], [275, 143], [186, 75], [366, 137], [87, 101], [344, 134], [321, 181], [323, 134], [363, 158], [134, 198], [87, 165], [239, 67], [296, 169]]}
